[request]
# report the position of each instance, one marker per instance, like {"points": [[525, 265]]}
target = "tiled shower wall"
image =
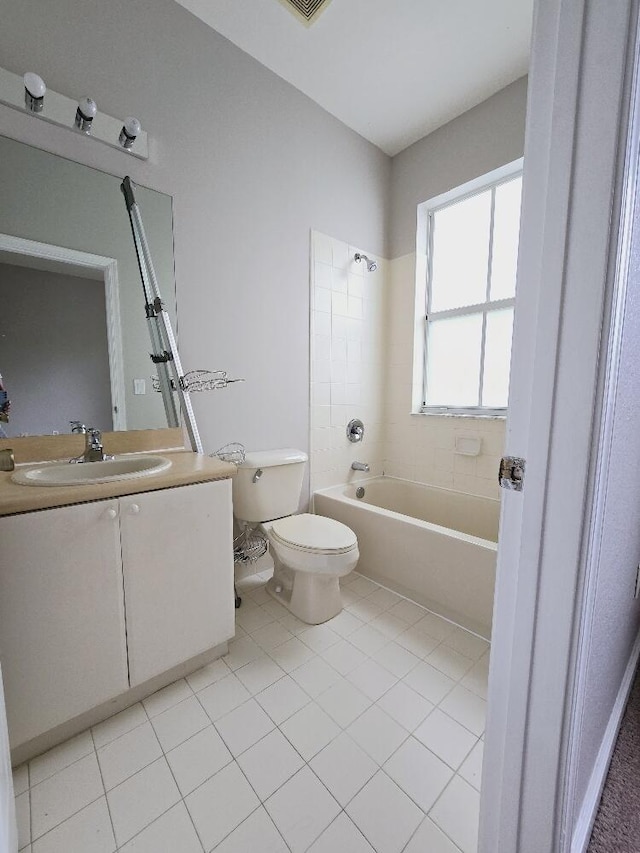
{"points": [[362, 353], [422, 447], [348, 356]]}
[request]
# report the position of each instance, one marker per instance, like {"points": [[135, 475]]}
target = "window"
{"points": [[472, 251]]}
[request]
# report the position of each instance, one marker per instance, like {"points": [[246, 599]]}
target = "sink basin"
{"points": [[87, 473]]}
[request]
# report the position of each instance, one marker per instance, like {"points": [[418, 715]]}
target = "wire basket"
{"points": [[232, 452], [249, 546], [200, 380]]}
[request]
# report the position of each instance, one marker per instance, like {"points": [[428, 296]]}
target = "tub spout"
{"points": [[360, 466]]}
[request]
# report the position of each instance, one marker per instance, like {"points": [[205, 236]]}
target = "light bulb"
{"points": [[130, 130], [34, 92], [85, 114]]}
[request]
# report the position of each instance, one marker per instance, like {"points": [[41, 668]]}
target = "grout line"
{"points": [[113, 829]]}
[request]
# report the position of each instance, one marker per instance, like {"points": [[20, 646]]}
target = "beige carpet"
{"points": [[617, 825]]}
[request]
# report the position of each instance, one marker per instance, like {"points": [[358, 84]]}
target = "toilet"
{"points": [[310, 552]]}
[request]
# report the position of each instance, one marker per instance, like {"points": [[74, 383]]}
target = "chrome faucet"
{"points": [[360, 466], [93, 449]]}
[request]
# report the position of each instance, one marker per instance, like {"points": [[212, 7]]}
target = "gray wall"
{"points": [[54, 361], [252, 165], [480, 140]]}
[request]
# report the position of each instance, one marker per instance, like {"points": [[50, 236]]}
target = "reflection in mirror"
{"points": [[74, 343]]}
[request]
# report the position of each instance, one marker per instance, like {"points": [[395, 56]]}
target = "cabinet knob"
{"points": [[134, 509], [112, 513]]}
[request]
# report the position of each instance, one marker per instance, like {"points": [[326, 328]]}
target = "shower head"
{"points": [[372, 266]]}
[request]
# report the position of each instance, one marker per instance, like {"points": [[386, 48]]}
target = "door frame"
{"points": [[575, 142]]}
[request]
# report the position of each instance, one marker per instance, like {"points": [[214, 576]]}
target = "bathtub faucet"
{"points": [[360, 466]]}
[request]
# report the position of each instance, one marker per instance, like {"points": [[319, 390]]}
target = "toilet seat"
{"points": [[314, 533]]}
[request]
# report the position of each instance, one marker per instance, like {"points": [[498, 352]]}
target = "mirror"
{"points": [[74, 342]]}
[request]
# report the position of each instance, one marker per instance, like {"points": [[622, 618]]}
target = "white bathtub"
{"points": [[435, 546]]}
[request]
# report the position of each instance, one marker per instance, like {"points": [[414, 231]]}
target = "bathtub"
{"points": [[435, 546]]}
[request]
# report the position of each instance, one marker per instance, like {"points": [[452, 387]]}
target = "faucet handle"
{"points": [[78, 426]]}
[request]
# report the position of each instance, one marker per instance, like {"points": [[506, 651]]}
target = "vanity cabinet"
{"points": [[99, 597]]}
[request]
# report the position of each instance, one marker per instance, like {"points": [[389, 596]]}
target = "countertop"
{"points": [[186, 468]]}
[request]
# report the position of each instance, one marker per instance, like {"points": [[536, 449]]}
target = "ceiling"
{"points": [[392, 70]]}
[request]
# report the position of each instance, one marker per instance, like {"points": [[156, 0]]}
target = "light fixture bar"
{"points": [[60, 110]]}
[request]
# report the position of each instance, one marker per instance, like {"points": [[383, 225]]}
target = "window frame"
{"points": [[426, 213]]}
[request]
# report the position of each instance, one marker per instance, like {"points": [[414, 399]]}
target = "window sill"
{"points": [[485, 416]]}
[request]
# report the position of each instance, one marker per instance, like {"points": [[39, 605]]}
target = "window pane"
{"points": [[461, 253], [453, 361], [505, 240], [497, 358]]}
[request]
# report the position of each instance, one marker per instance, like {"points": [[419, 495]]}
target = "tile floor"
{"points": [[363, 734]]}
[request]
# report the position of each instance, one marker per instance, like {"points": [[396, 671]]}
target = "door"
{"points": [[62, 638], [177, 555]]}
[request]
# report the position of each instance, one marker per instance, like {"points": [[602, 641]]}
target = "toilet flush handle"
{"points": [[257, 475]]}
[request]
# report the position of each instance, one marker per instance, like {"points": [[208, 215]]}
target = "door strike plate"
{"points": [[511, 473]]}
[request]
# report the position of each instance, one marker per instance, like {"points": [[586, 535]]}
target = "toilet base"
{"points": [[310, 597]]}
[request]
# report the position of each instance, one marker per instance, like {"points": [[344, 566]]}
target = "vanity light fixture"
{"points": [[130, 131], [34, 92], [85, 114]]}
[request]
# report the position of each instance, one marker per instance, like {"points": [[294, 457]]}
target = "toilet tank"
{"points": [[268, 484]]}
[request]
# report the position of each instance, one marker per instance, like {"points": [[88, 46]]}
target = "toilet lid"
{"points": [[314, 533]]}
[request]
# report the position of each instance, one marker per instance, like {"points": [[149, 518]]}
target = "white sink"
{"points": [[86, 473]]}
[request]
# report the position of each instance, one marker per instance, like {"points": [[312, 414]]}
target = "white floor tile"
{"points": [[467, 644], [167, 697], [368, 640], [198, 759], [388, 625], [59, 757], [396, 659], [180, 723], [252, 618], [223, 696], [408, 611], [315, 676], [259, 674], [170, 833], [429, 682], [384, 598], [364, 609], [449, 661], [241, 652], [405, 706], [275, 608], [270, 763], [64, 794], [309, 730], [436, 626], [271, 635], [446, 738], [293, 624], [344, 657], [128, 754], [343, 836], [319, 638], [363, 586], [471, 768], [88, 831], [292, 654], [256, 833], [221, 804], [343, 702], [384, 814], [372, 679], [244, 726], [344, 768], [119, 724], [420, 773], [282, 699], [377, 734], [467, 708], [430, 839], [23, 819], [417, 642], [302, 809], [477, 679], [209, 674], [20, 779], [141, 799], [457, 813], [345, 623]]}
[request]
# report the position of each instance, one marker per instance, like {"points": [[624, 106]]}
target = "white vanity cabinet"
{"points": [[62, 630], [100, 597]]}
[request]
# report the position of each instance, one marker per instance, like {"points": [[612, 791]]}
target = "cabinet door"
{"points": [[177, 556], [62, 637]]}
